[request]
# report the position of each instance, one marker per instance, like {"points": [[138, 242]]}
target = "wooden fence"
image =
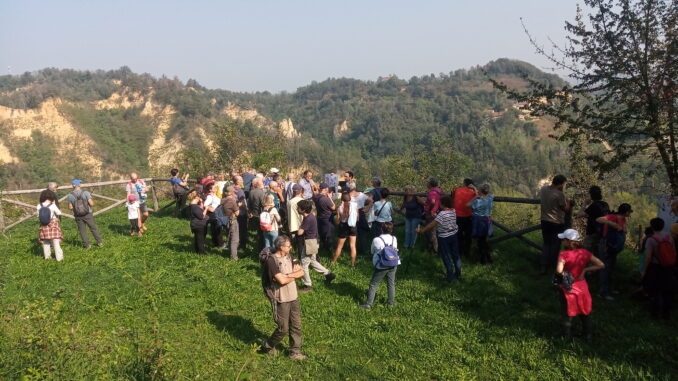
{"points": [[518, 234], [4, 197]]}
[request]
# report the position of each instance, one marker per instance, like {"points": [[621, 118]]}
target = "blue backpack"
{"points": [[45, 215], [388, 256]]}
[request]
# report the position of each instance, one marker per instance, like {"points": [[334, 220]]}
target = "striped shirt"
{"points": [[447, 223]]}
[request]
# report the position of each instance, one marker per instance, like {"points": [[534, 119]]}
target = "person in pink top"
{"points": [[573, 264], [431, 209]]}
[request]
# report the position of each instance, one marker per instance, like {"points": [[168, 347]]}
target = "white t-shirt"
{"points": [[359, 199], [212, 201], [132, 210], [378, 244], [52, 207]]}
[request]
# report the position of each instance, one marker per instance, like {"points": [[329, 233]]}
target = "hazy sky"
{"points": [[252, 45]]}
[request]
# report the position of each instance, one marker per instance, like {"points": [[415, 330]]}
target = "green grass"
{"points": [[148, 308]]}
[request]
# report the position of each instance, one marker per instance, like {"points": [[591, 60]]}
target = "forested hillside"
{"points": [[127, 121]]}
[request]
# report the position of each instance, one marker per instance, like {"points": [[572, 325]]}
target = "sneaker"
{"points": [[305, 289], [100, 244], [298, 356], [365, 306], [606, 297], [330, 277]]}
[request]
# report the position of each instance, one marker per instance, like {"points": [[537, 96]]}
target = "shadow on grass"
{"points": [[349, 290], [237, 326], [119, 229]]}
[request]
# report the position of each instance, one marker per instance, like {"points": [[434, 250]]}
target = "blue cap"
{"points": [[76, 182]]}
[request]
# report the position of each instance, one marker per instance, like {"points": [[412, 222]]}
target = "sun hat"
{"points": [[570, 234]]}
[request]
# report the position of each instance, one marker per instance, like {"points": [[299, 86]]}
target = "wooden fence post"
{"points": [[2, 219], [155, 196]]}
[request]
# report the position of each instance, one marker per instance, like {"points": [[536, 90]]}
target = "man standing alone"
{"points": [[278, 280]]}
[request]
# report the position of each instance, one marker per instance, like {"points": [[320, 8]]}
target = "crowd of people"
{"points": [[309, 218]]}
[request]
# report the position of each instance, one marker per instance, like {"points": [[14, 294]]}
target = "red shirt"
{"points": [[617, 219], [463, 196]]}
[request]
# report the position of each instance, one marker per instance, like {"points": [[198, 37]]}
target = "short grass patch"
{"points": [[149, 308]]}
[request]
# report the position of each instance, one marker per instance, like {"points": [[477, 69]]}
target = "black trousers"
{"points": [[215, 231], [549, 255], [242, 226], [363, 233], [465, 227], [325, 233], [199, 235]]}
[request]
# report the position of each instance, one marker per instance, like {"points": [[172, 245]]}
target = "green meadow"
{"points": [[145, 308]]}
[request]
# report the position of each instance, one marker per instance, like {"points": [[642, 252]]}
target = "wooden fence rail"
{"points": [[5, 197]]}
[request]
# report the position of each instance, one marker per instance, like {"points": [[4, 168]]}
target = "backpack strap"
{"points": [[382, 208], [384, 242]]}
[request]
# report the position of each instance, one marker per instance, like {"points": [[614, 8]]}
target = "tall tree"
{"points": [[622, 59]]}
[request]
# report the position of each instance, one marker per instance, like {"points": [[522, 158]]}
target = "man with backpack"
{"points": [[658, 272], [81, 203], [278, 276]]}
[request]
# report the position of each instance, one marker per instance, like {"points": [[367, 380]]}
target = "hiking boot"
{"points": [[365, 306], [267, 350], [330, 277], [298, 356], [305, 289]]}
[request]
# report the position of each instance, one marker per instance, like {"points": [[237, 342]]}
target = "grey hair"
{"points": [[229, 191], [52, 186], [280, 241], [376, 181]]}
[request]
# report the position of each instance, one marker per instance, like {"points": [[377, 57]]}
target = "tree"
{"points": [[622, 58]]}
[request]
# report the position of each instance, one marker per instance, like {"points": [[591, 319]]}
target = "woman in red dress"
{"points": [[573, 264]]}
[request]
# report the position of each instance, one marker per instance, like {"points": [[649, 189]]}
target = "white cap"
{"points": [[274, 170], [570, 234]]}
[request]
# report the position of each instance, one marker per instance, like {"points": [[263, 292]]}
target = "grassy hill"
{"points": [[148, 308]]}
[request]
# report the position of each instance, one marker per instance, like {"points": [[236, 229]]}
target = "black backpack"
{"points": [[80, 205], [266, 284], [45, 215]]}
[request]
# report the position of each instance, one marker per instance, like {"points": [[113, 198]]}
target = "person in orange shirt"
{"points": [[462, 197]]}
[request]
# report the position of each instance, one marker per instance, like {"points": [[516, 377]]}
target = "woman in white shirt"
{"points": [[50, 233], [378, 244], [347, 218]]}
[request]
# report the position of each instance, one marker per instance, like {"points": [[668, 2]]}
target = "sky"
{"points": [[259, 45]]}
